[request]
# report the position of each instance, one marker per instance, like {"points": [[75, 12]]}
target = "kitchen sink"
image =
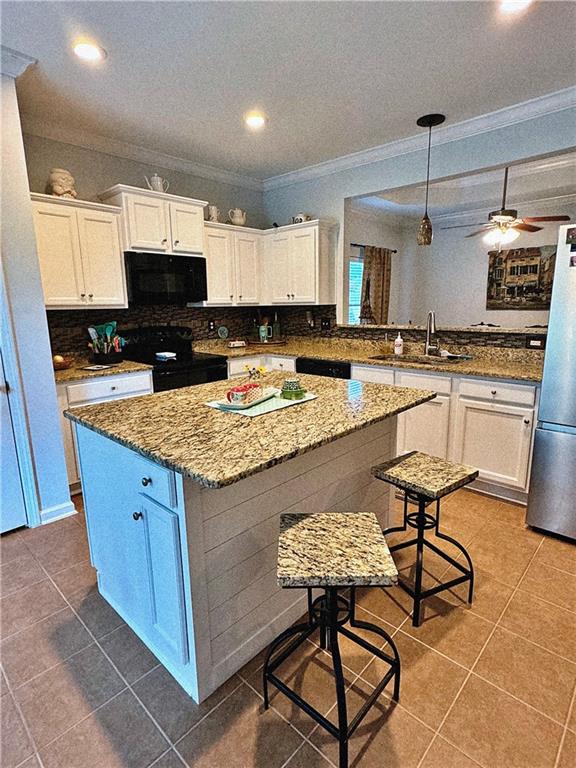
{"points": [[420, 359]]}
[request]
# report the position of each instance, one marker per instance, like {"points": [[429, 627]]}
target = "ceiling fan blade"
{"points": [[460, 226], [526, 227], [478, 232], [545, 218]]}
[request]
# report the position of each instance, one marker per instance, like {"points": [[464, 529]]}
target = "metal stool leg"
{"points": [[331, 597], [419, 562]]}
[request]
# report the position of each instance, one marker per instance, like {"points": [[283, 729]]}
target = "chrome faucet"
{"points": [[432, 345]]}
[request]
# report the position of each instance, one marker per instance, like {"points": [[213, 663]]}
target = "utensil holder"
{"points": [[103, 358]]}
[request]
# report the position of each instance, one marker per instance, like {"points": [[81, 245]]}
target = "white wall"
{"points": [[548, 134], [96, 171], [37, 389]]}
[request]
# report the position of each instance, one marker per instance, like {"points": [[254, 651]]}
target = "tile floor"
{"points": [[492, 685]]}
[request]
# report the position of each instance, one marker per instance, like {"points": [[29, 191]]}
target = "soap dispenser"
{"points": [[398, 345]]}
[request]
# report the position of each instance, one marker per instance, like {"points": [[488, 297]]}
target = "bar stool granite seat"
{"points": [[425, 479], [334, 551]]}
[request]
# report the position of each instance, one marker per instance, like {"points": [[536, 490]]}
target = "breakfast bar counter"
{"points": [[183, 503]]}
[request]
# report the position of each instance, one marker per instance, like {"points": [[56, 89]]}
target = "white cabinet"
{"points": [[278, 363], [304, 265], [81, 262], [278, 258], [95, 390], [155, 221], [232, 265], [372, 373], [425, 428], [496, 438]]}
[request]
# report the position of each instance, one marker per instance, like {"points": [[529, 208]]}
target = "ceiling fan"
{"points": [[505, 223]]}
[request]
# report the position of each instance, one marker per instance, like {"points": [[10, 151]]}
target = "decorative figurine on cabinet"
{"points": [[61, 183]]}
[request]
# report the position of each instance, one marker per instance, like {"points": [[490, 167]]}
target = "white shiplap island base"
{"points": [[183, 504]]}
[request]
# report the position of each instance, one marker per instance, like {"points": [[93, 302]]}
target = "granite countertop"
{"points": [[488, 362], [75, 373], [331, 549], [429, 476], [176, 428]]}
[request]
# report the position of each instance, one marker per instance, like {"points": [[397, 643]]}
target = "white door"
{"points": [[247, 268], [12, 508], [278, 268], [219, 266], [102, 258], [425, 428], [147, 223], [58, 247], [187, 227], [304, 265], [495, 439]]}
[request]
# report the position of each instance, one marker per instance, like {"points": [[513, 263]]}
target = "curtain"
{"points": [[376, 285]]}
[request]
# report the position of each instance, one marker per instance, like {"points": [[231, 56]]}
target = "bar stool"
{"points": [[425, 479], [334, 551]]}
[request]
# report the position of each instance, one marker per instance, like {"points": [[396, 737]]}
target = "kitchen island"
{"points": [[183, 502]]}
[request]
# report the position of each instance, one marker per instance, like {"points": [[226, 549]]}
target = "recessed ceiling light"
{"points": [[514, 6], [89, 51], [255, 120]]}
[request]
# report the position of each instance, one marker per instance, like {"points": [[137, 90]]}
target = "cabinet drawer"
{"points": [[236, 366], [498, 391], [372, 373], [108, 387], [440, 384], [281, 363], [147, 477]]}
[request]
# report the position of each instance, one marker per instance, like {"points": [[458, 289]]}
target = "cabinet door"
{"points": [[102, 258], [247, 263], [219, 266], [495, 439], [58, 247], [67, 435], [278, 268], [425, 428], [304, 265], [147, 223], [186, 227], [167, 628], [276, 363]]}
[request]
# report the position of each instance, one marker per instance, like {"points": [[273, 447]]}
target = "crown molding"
{"points": [[14, 63], [491, 121], [78, 138]]}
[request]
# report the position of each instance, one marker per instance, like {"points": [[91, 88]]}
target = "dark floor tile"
{"points": [[27, 606], [15, 742], [174, 711], [308, 757], [12, 545], [79, 579], [238, 734], [42, 645], [59, 552], [3, 684], [95, 612], [64, 695], [169, 760], [118, 735], [128, 653], [20, 572], [38, 537]]}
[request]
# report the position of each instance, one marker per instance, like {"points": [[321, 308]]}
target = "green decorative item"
{"points": [[223, 332], [293, 394]]}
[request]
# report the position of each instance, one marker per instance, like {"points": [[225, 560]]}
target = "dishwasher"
{"points": [[337, 369]]}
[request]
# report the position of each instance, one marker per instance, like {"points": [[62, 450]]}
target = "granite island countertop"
{"points": [[178, 430], [487, 362], [76, 372]]}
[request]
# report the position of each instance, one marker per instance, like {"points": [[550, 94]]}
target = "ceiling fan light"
{"points": [[500, 237], [424, 236]]}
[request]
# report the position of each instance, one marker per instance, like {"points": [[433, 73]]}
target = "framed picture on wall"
{"points": [[521, 278]]}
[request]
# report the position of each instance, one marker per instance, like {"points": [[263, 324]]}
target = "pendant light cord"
{"points": [[428, 169]]}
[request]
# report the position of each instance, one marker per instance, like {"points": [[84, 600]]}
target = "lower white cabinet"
{"points": [[496, 438], [372, 373], [95, 390], [426, 428], [277, 363]]}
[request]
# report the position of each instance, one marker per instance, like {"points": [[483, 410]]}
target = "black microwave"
{"points": [[161, 278]]}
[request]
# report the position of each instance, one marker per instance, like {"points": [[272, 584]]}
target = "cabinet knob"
{"points": [[90, 295], [82, 295], [231, 296], [292, 295], [146, 481], [113, 388], [493, 391], [288, 295], [164, 240], [176, 242], [137, 515], [526, 421], [240, 296]]}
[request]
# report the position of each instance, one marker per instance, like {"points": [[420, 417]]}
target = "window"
{"points": [[355, 270]]}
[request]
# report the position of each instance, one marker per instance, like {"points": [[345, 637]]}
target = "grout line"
{"points": [[298, 748], [53, 666], [566, 729], [34, 623], [543, 599], [452, 705], [214, 708], [160, 757], [32, 740]]}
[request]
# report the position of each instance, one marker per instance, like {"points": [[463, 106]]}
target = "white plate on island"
{"points": [[274, 403], [267, 394]]}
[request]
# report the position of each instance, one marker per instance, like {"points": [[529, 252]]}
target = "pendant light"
{"points": [[425, 228]]}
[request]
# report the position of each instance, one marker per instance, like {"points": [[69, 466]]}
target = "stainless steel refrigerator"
{"points": [[552, 496]]}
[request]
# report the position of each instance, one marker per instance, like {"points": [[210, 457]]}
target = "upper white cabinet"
{"points": [[81, 262], [299, 264], [232, 264], [155, 221]]}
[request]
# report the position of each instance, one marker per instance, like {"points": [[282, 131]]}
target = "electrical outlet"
{"points": [[325, 323], [211, 325], [536, 342]]}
